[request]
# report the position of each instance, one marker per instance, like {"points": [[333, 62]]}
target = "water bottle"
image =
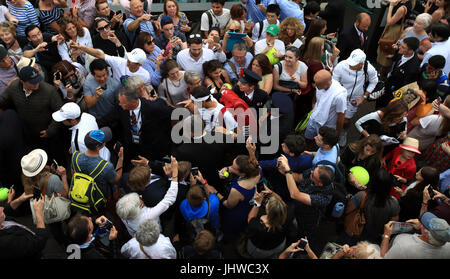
{"points": [[338, 210]]}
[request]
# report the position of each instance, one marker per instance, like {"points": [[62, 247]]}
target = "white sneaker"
{"points": [[343, 139]]}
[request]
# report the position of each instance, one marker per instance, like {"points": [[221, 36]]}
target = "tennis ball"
{"points": [[228, 85], [4, 194], [361, 175], [226, 174]]}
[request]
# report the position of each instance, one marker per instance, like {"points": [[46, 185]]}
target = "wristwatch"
{"points": [[289, 172], [257, 204]]}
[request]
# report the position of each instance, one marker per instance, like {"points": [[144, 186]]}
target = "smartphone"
{"points": [[430, 191], [117, 147], [155, 17], [12, 187], [260, 186], [168, 47], [103, 87], [36, 193], [402, 227], [167, 159], [302, 243], [58, 75], [153, 93], [56, 163], [118, 12], [194, 171], [108, 225], [216, 39], [51, 44]]}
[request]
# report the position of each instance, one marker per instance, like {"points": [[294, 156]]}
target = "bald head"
{"points": [[136, 8], [322, 79], [363, 21]]}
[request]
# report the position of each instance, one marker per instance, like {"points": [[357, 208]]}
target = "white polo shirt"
{"points": [[87, 123], [119, 68], [186, 62], [262, 44]]}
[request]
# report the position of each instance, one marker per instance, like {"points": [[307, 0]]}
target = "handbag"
{"points": [[354, 221], [386, 45], [56, 207]]}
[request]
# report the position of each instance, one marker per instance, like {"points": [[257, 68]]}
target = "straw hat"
{"points": [[34, 162], [411, 144]]}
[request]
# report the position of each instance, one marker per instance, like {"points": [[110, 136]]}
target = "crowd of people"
{"points": [[132, 135]]}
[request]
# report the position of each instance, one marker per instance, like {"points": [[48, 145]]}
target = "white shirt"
{"points": [[87, 123], [410, 246], [84, 41], [119, 68], [137, 112], [256, 28], [162, 249], [353, 80], [262, 44], [250, 96], [218, 21], [428, 129], [153, 212], [186, 62], [211, 118], [329, 103], [439, 48]]}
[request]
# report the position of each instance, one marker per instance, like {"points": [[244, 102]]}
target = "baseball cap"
{"points": [[273, 29], [95, 138], [137, 55], [30, 74], [67, 111], [166, 20], [3, 52], [438, 227], [356, 57]]}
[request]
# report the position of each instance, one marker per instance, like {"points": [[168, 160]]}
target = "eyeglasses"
{"points": [[150, 42], [195, 36], [100, 29]]}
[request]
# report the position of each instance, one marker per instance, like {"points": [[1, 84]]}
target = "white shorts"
{"points": [[350, 111]]}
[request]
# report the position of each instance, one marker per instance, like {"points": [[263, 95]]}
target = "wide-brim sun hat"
{"points": [[411, 144], [34, 162]]}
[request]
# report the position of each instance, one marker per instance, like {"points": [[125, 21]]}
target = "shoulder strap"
{"points": [[363, 200], [44, 187], [261, 25], [98, 169], [77, 148], [233, 68], [210, 19], [168, 94], [75, 165], [143, 251], [280, 68]]}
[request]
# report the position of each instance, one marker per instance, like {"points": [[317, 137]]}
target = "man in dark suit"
{"points": [[199, 148], [354, 36], [405, 70], [144, 124], [248, 90]]}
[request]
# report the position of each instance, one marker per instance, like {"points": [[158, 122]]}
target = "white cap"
{"points": [[137, 55], [24, 61], [356, 57], [67, 111]]}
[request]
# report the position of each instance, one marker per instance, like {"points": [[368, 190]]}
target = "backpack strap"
{"points": [[280, 68], [143, 251], [75, 165], [167, 92], [261, 25], [44, 187], [233, 68], [210, 19], [98, 169]]}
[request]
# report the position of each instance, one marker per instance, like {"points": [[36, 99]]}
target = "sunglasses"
{"points": [[150, 42], [235, 30], [195, 36], [100, 29]]}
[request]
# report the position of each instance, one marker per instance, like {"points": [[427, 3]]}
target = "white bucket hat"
{"points": [[34, 162]]}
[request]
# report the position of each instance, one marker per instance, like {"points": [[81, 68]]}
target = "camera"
{"points": [[194, 171]]}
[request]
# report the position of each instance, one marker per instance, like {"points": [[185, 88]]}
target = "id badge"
{"points": [[135, 138]]}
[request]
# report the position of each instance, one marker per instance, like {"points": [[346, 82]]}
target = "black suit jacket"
{"points": [[404, 74], [154, 133], [348, 41], [259, 98]]}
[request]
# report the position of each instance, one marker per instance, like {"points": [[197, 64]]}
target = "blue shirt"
{"points": [[190, 213], [106, 102], [330, 155], [289, 9], [255, 14], [444, 180], [297, 164], [146, 26], [230, 72], [150, 66]]}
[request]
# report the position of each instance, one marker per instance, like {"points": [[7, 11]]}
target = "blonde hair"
{"points": [[11, 27], [35, 181], [276, 214], [139, 178], [366, 250], [234, 23], [314, 50]]}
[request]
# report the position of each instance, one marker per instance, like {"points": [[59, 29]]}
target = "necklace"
{"points": [[174, 84]]}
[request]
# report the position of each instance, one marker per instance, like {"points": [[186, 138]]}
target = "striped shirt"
{"points": [[47, 17], [26, 16]]}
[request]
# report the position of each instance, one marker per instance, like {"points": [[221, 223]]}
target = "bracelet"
{"points": [[424, 204], [385, 236], [289, 172], [206, 182], [174, 177]]}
